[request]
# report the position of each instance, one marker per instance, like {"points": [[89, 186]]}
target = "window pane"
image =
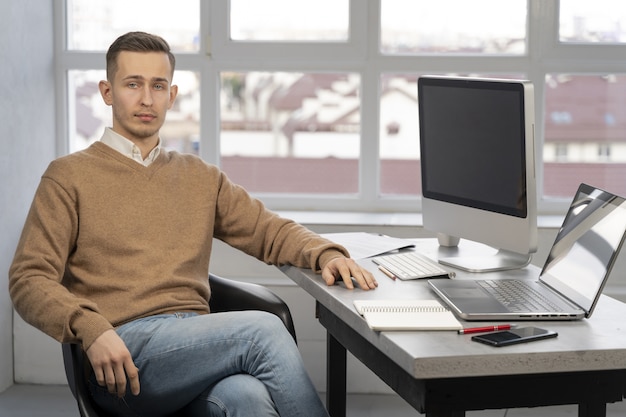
{"points": [[585, 21], [585, 129], [399, 135], [87, 112], [453, 26], [94, 25], [291, 132], [288, 20], [89, 115]]}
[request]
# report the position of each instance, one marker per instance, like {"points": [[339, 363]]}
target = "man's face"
{"points": [[140, 94]]}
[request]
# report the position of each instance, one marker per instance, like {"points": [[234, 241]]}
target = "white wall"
{"points": [[26, 134]]}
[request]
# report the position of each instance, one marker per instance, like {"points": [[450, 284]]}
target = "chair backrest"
{"points": [[231, 295]]}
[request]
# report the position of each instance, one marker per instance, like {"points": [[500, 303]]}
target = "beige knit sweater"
{"points": [[108, 240]]}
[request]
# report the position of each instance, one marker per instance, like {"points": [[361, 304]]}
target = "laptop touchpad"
{"points": [[473, 299], [468, 292], [480, 305]]}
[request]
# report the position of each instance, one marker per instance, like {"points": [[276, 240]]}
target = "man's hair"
{"points": [[136, 42]]}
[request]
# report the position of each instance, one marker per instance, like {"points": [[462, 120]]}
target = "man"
{"points": [[115, 255]]}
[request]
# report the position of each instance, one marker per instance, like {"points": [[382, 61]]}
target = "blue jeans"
{"points": [[231, 364]]}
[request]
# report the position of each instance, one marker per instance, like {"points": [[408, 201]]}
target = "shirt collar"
{"points": [[128, 148]]}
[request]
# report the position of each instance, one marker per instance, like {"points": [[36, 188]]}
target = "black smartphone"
{"points": [[514, 336]]}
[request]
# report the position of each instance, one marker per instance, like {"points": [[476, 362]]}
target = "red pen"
{"points": [[486, 329]]}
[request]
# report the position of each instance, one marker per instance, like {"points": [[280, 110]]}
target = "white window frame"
{"points": [[360, 54]]}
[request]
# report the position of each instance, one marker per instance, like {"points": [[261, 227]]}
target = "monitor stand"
{"points": [[501, 261]]}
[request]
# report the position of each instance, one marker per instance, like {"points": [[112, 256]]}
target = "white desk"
{"points": [[441, 373]]}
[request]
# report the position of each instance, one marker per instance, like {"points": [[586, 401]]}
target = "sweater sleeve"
{"points": [[37, 271], [246, 224]]}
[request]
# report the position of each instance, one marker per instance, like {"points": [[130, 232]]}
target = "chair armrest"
{"points": [[76, 371], [231, 295]]}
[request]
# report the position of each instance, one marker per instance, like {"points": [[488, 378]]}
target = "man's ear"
{"points": [[173, 94], [105, 91]]}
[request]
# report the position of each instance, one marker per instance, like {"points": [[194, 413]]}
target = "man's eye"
{"points": [[133, 85], [159, 87]]}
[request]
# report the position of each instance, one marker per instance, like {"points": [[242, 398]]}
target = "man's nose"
{"points": [[146, 97]]}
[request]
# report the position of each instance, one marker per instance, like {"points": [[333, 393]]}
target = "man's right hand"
{"points": [[112, 364]]}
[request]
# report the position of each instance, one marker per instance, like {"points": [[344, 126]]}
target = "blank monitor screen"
{"points": [[485, 167], [477, 160]]}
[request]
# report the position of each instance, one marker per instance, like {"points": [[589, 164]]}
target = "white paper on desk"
{"points": [[407, 315], [363, 245]]}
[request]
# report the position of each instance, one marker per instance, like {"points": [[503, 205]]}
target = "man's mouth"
{"points": [[146, 117]]}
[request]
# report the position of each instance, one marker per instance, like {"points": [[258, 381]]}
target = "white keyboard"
{"points": [[410, 265]]}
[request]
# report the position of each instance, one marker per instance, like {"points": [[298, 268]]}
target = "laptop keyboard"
{"points": [[518, 296], [410, 265]]}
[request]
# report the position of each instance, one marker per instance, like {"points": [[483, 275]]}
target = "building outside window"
{"points": [[604, 152]]}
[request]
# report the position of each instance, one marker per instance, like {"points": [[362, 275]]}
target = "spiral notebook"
{"points": [[406, 315]]}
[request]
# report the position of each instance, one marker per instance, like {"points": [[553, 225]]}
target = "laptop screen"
{"points": [[586, 246]]}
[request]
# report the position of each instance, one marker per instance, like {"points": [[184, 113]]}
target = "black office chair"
{"points": [[226, 295]]}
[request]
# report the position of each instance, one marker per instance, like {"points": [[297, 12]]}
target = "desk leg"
{"points": [[592, 409], [335, 377]]}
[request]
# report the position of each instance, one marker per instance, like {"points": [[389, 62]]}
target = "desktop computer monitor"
{"points": [[478, 167]]}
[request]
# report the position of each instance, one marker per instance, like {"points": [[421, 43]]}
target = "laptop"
{"points": [[570, 282]]}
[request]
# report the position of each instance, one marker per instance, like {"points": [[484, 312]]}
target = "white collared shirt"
{"points": [[128, 148]]}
